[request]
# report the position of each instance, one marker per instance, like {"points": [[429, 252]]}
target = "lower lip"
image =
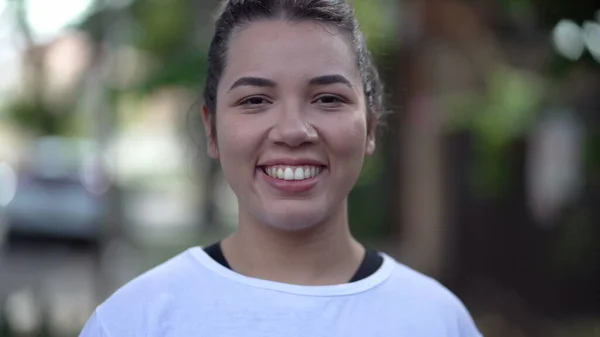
{"points": [[290, 186]]}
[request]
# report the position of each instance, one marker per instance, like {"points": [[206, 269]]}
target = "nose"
{"points": [[292, 129]]}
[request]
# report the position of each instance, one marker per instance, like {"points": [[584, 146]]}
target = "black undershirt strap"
{"points": [[216, 253], [369, 265]]}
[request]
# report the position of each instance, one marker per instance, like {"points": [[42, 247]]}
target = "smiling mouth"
{"points": [[285, 172]]}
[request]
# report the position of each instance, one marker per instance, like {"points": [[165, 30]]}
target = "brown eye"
{"points": [[254, 101], [329, 100]]}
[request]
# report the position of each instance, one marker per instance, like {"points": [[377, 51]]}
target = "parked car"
{"points": [[53, 198]]}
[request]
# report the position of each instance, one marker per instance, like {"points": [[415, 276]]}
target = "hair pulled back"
{"points": [[235, 14]]}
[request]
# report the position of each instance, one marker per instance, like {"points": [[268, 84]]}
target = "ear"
{"points": [[212, 149], [370, 145]]}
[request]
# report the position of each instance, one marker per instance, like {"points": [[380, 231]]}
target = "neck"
{"points": [[323, 254]]}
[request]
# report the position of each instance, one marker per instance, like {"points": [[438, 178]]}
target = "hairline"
{"points": [[344, 24], [243, 25]]}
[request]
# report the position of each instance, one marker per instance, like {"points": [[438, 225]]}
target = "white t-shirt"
{"points": [[192, 295]]}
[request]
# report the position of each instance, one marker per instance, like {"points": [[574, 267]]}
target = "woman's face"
{"points": [[291, 130]]}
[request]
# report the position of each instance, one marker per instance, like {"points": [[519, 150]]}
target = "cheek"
{"points": [[229, 137], [347, 136], [236, 140]]}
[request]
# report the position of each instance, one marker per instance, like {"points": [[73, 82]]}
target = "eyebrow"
{"points": [[330, 79], [253, 82], [264, 82]]}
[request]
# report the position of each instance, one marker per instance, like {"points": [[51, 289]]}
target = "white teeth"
{"points": [[288, 174], [299, 174], [292, 172]]}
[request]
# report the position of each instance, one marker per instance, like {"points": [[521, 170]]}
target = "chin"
{"points": [[294, 220]]}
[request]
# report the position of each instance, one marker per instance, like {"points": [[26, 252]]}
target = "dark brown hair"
{"points": [[236, 14]]}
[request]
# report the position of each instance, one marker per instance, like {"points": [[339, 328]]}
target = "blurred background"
{"points": [[487, 175]]}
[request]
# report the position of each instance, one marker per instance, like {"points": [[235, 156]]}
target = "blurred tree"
{"points": [[369, 201], [172, 34], [503, 113], [552, 268], [32, 111]]}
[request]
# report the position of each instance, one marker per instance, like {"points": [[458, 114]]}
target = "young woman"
{"points": [[292, 103]]}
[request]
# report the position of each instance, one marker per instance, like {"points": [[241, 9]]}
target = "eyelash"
{"points": [[247, 101], [338, 99]]}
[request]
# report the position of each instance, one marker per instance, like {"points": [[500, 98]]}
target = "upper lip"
{"points": [[292, 162]]}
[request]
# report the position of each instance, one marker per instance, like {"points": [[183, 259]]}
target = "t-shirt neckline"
{"points": [[365, 284]]}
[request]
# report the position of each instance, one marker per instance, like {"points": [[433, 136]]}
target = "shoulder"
{"points": [[430, 300], [167, 276], [408, 281], [149, 298]]}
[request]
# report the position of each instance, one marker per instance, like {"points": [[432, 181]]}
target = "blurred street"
{"points": [[59, 282]]}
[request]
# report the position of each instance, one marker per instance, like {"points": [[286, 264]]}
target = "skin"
{"points": [[304, 100]]}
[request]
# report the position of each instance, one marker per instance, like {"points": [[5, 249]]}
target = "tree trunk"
{"points": [[419, 194]]}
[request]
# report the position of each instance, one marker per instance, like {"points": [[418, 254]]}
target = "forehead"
{"points": [[284, 50]]}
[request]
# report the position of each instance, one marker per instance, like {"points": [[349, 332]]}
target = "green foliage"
{"points": [[502, 114], [367, 211], [162, 26], [372, 170], [367, 204], [38, 118], [375, 21], [187, 70], [163, 30]]}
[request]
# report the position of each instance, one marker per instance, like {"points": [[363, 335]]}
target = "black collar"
{"points": [[369, 265]]}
